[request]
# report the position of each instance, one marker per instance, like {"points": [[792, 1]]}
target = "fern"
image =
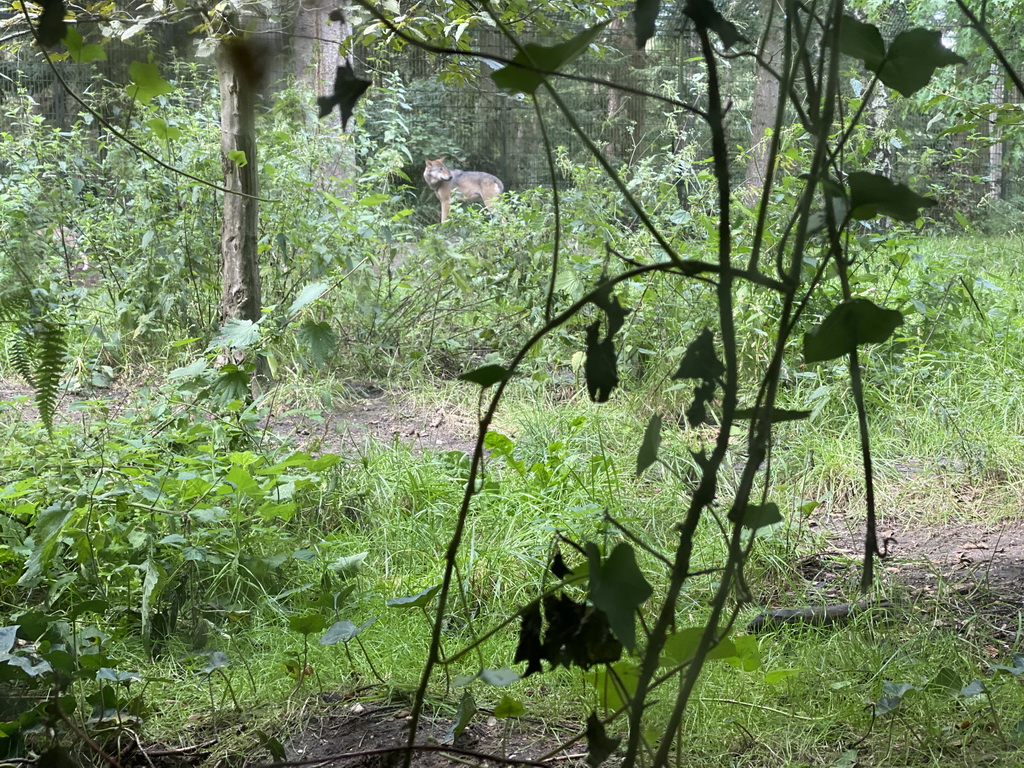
{"points": [[37, 349], [51, 339], [22, 352]]}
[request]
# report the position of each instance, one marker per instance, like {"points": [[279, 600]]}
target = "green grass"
{"points": [[946, 423]]}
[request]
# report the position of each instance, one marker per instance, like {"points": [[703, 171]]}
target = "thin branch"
{"points": [[980, 27], [434, 653], [443, 51], [549, 303], [122, 136]]}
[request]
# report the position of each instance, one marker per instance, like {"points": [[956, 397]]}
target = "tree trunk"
{"points": [[997, 97], [316, 56], [762, 114], [240, 296]]}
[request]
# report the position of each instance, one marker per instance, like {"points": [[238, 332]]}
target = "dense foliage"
{"points": [[179, 545]]}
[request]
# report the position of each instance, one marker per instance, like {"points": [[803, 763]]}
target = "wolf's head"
{"points": [[436, 173]]}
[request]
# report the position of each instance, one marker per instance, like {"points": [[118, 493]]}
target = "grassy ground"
{"points": [[910, 685]]}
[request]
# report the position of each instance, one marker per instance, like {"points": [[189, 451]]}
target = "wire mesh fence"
{"points": [[459, 113]]}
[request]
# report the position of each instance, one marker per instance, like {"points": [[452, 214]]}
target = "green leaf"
{"points": [[615, 683], [649, 447], [700, 360], [321, 463], [347, 566], [98, 607], [237, 156], [861, 41], [236, 333], [307, 296], [1016, 669], [509, 707], [196, 368], [757, 516], [913, 58], [218, 660], [852, 323], [162, 130], [147, 81], [81, 53], [278, 754], [972, 689], [618, 588], [243, 483], [946, 680], [419, 600], [887, 705], [874, 195], [7, 637], [778, 675], [487, 375], [152, 584], [517, 78], [600, 745], [899, 690], [500, 678], [308, 624], [319, 338], [748, 655], [49, 525], [277, 510], [463, 716], [343, 631], [681, 645], [645, 14], [32, 625]]}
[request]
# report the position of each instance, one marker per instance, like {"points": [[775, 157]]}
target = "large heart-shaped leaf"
{"points": [[520, 77], [618, 587], [854, 322], [874, 195]]}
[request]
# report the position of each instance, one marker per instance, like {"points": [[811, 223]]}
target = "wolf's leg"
{"points": [[446, 203]]}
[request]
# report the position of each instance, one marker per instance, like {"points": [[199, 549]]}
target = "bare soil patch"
{"points": [[374, 415], [373, 735], [963, 575]]}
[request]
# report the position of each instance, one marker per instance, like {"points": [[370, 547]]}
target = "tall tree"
{"points": [[763, 108], [240, 290], [320, 33]]}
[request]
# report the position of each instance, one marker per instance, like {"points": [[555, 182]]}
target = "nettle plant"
{"points": [[611, 607]]}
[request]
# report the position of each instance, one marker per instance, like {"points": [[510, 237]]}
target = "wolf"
{"points": [[474, 186]]}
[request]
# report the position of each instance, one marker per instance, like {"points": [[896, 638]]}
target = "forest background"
{"points": [[753, 283]]}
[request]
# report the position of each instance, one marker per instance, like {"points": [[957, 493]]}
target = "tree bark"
{"points": [[240, 296], [316, 56], [762, 114], [995, 150]]}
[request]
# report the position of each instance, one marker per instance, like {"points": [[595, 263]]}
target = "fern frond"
{"points": [[22, 352], [51, 339], [38, 346]]}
